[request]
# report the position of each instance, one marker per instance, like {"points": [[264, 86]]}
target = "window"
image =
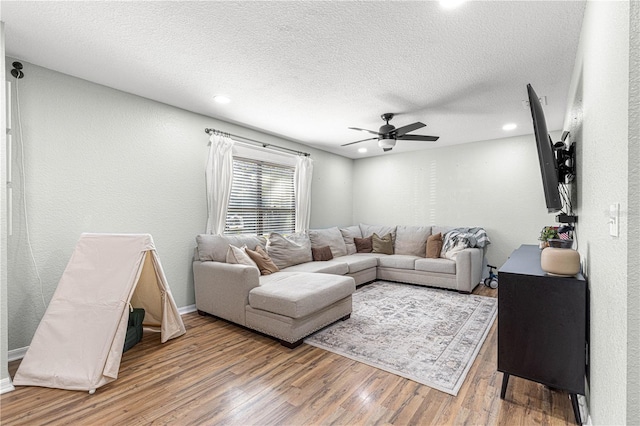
{"points": [[262, 198]]}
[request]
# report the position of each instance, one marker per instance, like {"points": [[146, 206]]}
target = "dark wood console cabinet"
{"points": [[542, 325]]}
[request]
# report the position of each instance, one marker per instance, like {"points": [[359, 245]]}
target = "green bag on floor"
{"points": [[134, 330]]}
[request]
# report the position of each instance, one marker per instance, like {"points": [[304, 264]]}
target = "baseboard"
{"points": [[187, 309], [6, 386], [16, 354]]}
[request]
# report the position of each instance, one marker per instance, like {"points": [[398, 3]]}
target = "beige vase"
{"points": [[560, 261]]}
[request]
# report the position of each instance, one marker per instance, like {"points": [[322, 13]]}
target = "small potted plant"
{"points": [[547, 233]]}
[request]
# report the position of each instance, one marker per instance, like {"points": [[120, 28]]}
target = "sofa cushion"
{"points": [[331, 237], [335, 267], [321, 253], [298, 294], [383, 244], [369, 230], [434, 246], [398, 261], [348, 234], [444, 266], [263, 261], [363, 245], [289, 250], [412, 240], [215, 247], [359, 262]]}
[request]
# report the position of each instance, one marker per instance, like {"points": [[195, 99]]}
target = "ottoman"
{"points": [[292, 305]]}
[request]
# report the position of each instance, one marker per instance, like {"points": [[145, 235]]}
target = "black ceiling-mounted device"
{"points": [[387, 135]]}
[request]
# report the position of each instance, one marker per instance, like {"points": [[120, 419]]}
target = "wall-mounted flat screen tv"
{"points": [[546, 156]]}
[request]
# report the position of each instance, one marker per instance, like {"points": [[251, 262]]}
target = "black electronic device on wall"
{"points": [[546, 155], [565, 159], [557, 162]]}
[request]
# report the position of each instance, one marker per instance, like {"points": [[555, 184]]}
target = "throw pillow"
{"points": [[434, 245], [382, 245], [212, 247], [239, 256], [321, 253], [411, 240], [240, 240], [289, 250], [363, 245], [348, 234], [263, 261], [331, 237]]}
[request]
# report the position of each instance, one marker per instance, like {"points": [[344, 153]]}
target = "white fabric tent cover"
{"points": [[78, 344]]}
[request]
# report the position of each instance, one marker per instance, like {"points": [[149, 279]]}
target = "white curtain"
{"points": [[219, 177], [302, 188]]}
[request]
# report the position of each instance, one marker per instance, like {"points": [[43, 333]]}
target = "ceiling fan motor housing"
{"points": [[386, 129]]}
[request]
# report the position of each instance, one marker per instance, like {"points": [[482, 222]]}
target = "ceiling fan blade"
{"points": [[409, 128], [351, 143], [419, 138], [363, 130]]}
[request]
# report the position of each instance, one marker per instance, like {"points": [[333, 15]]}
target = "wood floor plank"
{"points": [[219, 373]]}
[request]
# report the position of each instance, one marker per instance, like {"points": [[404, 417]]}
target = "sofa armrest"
{"points": [[468, 269], [222, 289]]}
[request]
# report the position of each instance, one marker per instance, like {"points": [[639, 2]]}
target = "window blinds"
{"points": [[262, 198]]}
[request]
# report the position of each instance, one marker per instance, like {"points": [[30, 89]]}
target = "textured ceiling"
{"points": [[308, 70]]}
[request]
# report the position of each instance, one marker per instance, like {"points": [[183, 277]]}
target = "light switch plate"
{"points": [[614, 219]]}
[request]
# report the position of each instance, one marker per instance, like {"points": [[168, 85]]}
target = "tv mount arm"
{"points": [[565, 159], [566, 166]]}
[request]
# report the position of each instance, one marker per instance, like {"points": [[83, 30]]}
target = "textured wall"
{"points": [[101, 160], [633, 275], [494, 184], [598, 118], [4, 331]]}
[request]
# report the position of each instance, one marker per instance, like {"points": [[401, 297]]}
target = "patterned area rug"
{"points": [[427, 335]]}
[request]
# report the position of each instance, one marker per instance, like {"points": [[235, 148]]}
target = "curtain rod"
{"points": [[263, 144]]}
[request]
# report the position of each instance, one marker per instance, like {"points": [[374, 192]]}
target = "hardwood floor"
{"points": [[219, 373]]}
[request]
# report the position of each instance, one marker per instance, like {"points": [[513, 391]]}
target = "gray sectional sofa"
{"points": [[306, 295]]}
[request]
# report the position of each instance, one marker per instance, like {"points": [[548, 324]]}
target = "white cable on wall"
{"points": [[24, 194]]}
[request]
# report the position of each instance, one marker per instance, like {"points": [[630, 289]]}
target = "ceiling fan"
{"points": [[387, 135]]}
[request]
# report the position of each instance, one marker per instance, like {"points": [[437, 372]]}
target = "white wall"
{"points": [[494, 184], [101, 160], [633, 254], [598, 118], [4, 331]]}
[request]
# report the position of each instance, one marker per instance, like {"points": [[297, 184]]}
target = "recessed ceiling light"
{"points": [[451, 4], [221, 99], [362, 150], [509, 126]]}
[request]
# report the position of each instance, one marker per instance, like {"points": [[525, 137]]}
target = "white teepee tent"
{"points": [[78, 344]]}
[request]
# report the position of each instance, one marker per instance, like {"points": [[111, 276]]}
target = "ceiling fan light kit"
{"points": [[387, 135], [386, 143]]}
